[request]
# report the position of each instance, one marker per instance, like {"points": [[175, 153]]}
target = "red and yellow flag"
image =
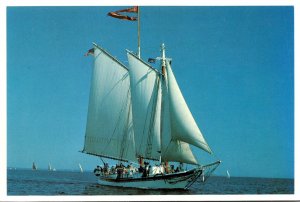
{"points": [[117, 14]]}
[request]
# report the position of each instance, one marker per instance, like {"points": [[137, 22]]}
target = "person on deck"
{"points": [[98, 170], [172, 169], [106, 168]]}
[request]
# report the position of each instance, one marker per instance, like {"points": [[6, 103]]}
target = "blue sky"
{"points": [[234, 65]]}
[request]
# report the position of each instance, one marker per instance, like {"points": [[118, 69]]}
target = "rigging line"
{"points": [[214, 155], [162, 126], [102, 160], [146, 119], [117, 124], [106, 156], [125, 130], [116, 84], [110, 56]]}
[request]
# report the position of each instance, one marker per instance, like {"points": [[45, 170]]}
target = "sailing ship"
{"points": [[228, 175], [34, 166], [49, 167], [80, 168], [138, 115]]}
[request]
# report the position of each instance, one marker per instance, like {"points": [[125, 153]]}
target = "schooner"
{"points": [[137, 115]]}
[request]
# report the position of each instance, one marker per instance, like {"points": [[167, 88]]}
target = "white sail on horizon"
{"points": [[80, 167], [228, 175], [34, 167]]}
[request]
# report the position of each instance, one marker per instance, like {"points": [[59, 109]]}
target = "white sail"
{"points": [[34, 167], [172, 150], [183, 125], [228, 175], [146, 96], [109, 131], [80, 167]]}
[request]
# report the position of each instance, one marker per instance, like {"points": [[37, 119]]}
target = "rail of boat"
{"points": [[122, 172]]}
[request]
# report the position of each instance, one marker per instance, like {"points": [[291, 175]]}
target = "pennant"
{"points": [[134, 9], [117, 14], [90, 52], [151, 60], [123, 17]]}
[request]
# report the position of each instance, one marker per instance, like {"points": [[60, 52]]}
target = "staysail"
{"points": [[183, 125], [109, 130], [146, 96], [172, 149]]}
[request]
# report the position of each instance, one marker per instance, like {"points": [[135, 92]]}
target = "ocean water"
{"points": [[45, 183]]}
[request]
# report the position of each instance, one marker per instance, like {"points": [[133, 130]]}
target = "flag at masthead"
{"points": [[119, 14]]}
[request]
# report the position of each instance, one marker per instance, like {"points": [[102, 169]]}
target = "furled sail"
{"points": [[146, 101], [172, 149], [183, 125], [109, 130]]}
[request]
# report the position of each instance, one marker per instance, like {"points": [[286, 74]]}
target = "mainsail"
{"points": [[146, 96], [109, 130]]}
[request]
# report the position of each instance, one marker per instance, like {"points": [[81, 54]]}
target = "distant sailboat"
{"points": [[49, 167], [80, 167], [34, 166], [228, 175]]}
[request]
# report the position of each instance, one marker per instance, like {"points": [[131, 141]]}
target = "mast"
{"points": [[163, 70], [139, 36], [163, 59]]}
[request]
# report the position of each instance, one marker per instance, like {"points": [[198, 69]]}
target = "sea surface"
{"points": [[42, 182]]}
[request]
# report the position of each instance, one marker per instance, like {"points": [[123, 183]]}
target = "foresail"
{"points": [[179, 151], [183, 125], [146, 99], [172, 149], [109, 130]]}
